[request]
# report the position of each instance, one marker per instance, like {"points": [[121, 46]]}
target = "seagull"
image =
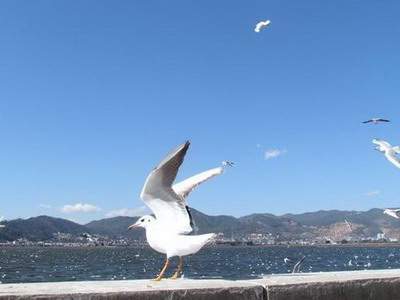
{"points": [[389, 151], [168, 232], [395, 213], [261, 25], [376, 121], [287, 260]]}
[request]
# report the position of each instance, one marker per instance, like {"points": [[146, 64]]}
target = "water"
{"points": [[69, 264]]}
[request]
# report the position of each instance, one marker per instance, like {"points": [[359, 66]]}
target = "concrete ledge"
{"points": [[355, 285]]}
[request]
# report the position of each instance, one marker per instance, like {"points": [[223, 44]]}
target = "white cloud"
{"points": [[127, 212], [273, 153], [79, 208], [373, 193]]}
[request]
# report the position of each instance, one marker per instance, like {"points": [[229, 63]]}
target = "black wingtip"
{"points": [[186, 145]]}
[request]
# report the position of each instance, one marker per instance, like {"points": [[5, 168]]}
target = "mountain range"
{"points": [[329, 224]]}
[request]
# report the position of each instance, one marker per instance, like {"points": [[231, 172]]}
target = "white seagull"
{"points": [[168, 231], [388, 150], [261, 25], [395, 213], [376, 121]]}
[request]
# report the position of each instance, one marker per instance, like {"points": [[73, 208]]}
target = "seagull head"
{"points": [[143, 222]]}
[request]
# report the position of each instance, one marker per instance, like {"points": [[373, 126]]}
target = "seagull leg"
{"points": [[178, 272], [158, 278]]}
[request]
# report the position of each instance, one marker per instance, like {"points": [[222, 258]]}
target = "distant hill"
{"points": [[116, 227], [313, 225], [39, 228]]}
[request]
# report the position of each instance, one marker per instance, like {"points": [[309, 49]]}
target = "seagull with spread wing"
{"points": [[376, 121], [168, 232], [388, 150], [261, 25]]}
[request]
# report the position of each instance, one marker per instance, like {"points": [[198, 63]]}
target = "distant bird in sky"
{"points": [[376, 121], [395, 213], [168, 231], [227, 163], [261, 25], [388, 150]]}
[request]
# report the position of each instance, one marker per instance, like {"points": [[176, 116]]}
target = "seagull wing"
{"points": [[184, 188], [383, 120], [396, 149], [393, 159], [157, 193], [261, 25], [368, 121], [380, 142], [392, 212]]}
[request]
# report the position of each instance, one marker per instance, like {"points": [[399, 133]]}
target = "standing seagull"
{"points": [[388, 150], [261, 25], [395, 213], [376, 121], [167, 233]]}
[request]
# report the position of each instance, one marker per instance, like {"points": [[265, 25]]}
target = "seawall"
{"points": [[352, 285]]}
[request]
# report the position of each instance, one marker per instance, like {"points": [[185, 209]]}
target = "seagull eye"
{"points": [[141, 220]]}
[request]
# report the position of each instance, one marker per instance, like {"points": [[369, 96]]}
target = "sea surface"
{"points": [[24, 264]]}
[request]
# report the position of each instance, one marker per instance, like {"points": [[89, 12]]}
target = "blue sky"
{"points": [[94, 93]]}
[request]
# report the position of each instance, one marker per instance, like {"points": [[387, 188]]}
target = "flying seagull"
{"points": [[287, 260], [376, 121], [168, 231], [261, 25], [395, 213], [388, 150]]}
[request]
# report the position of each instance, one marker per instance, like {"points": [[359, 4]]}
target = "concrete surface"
{"points": [[354, 285]]}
